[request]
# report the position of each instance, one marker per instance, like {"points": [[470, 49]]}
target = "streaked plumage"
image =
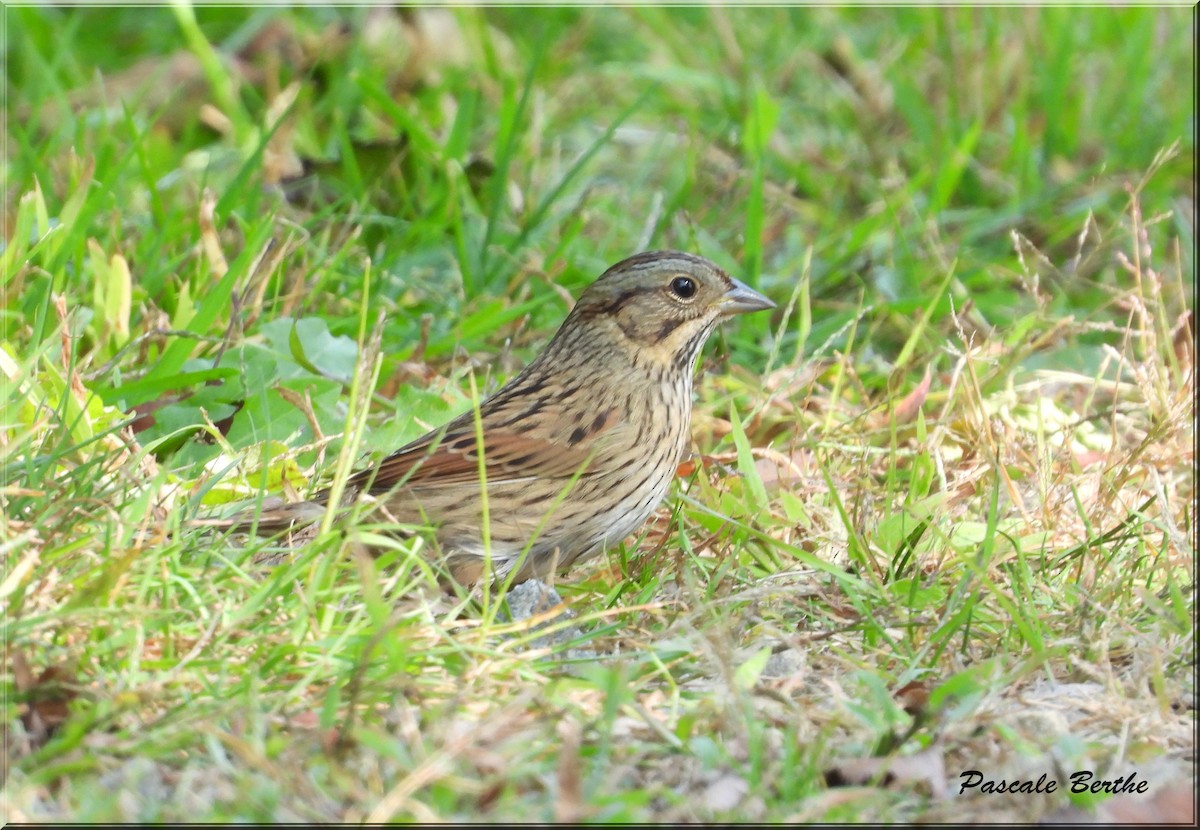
{"points": [[580, 447]]}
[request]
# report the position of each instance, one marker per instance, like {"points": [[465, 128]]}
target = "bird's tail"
{"points": [[274, 516]]}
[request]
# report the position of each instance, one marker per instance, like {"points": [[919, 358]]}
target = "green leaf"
{"points": [[746, 462], [309, 343], [16, 247], [951, 172], [154, 384]]}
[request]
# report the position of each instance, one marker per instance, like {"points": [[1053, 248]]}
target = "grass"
{"points": [[941, 514]]}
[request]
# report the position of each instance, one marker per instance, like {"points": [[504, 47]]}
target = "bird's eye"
{"points": [[683, 287]]}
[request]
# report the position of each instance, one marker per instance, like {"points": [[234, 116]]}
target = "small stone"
{"points": [[534, 597], [725, 793], [784, 664]]}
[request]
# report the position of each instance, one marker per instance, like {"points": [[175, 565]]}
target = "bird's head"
{"points": [[663, 304]]}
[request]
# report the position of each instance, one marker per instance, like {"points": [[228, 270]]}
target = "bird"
{"points": [[578, 449]]}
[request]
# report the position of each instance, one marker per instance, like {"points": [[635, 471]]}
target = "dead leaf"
{"points": [[777, 469], [908, 408], [1174, 803], [486, 800], [914, 697], [145, 410], [308, 719], [568, 805], [209, 237], [333, 742], [1090, 458], [47, 698], [281, 162]]}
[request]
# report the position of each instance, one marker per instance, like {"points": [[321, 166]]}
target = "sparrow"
{"points": [[578, 449]]}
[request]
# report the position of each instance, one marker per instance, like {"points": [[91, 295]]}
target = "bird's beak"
{"points": [[742, 299]]}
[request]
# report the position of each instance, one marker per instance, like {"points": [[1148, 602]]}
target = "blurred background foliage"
{"points": [[480, 159]]}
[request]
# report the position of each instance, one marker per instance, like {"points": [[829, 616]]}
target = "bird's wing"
{"points": [[450, 456]]}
